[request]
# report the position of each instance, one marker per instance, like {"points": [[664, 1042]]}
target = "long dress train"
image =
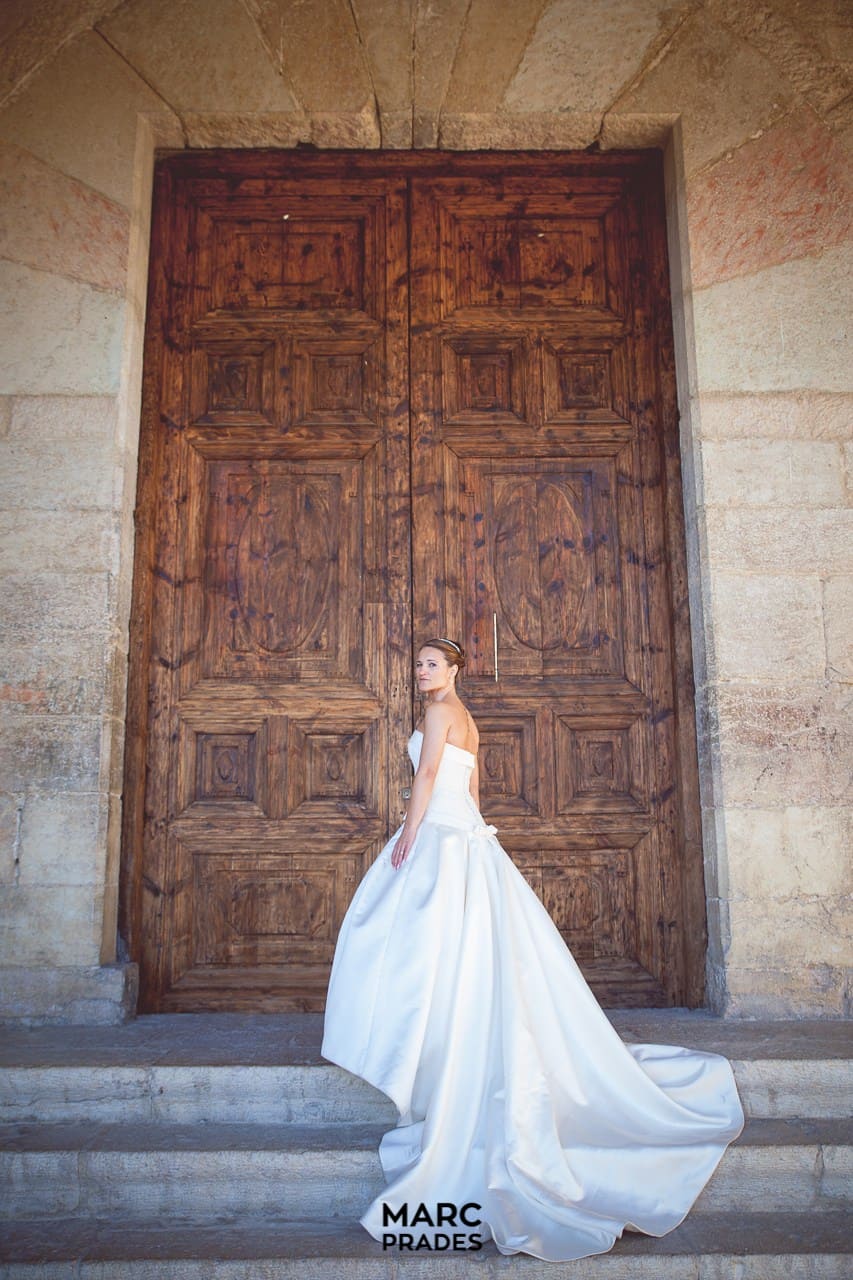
{"points": [[453, 992]]}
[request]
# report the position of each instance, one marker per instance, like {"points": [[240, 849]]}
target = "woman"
{"points": [[523, 1116]]}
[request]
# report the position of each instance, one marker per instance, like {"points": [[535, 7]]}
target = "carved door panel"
{"points": [[546, 534], [273, 566]]}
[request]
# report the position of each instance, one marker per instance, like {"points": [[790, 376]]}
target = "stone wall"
{"points": [[752, 104]]}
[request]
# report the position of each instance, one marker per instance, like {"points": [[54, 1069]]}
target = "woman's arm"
{"points": [[474, 784], [437, 721]]}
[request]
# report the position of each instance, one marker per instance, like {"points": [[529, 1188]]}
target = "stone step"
{"points": [[258, 1069], [762, 1246], [218, 1172]]}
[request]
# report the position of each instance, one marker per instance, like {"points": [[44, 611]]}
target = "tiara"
{"points": [[452, 644]]}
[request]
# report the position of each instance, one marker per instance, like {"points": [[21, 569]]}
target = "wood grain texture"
{"points": [[328, 474]]}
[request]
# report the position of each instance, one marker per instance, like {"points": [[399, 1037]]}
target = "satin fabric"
{"points": [[453, 992]]}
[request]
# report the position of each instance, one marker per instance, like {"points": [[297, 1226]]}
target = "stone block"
{"points": [[57, 336], [50, 753], [767, 1178], [79, 113], [386, 34], [773, 933], [574, 64], [502, 131], [848, 471], [837, 1176], [808, 42], [50, 925], [315, 47], [783, 328], [10, 817], [39, 1184], [52, 541], [773, 473], [723, 90], [780, 746], [396, 130], [87, 996], [32, 33], [803, 990], [54, 223], [38, 604], [200, 56], [768, 627], [754, 539], [62, 673], [803, 415], [59, 840], [791, 853], [438, 29], [787, 194], [838, 625], [489, 52]]}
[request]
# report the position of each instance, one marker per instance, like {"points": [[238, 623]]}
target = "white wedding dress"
{"points": [[453, 992]]}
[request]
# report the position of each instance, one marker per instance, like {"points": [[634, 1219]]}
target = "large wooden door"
{"points": [[273, 619], [273, 575], [542, 407]]}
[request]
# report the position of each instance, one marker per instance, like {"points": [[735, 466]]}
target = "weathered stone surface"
{"points": [[87, 996], [80, 115], [10, 821], [59, 840], [771, 933], [787, 473], [57, 336], [802, 991], [50, 925], [634, 131], [786, 195], [438, 29], [780, 745], [722, 89], [490, 49], [768, 627], [285, 129], [200, 56], [63, 673], [579, 60], [31, 33], [806, 415], [52, 222], [385, 30], [809, 541], [503, 131], [806, 41], [37, 604], [55, 457], [838, 624], [314, 46], [78, 540], [848, 471], [49, 753], [781, 329], [789, 853]]}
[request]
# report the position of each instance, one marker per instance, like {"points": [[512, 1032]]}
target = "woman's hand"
{"points": [[402, 848]]}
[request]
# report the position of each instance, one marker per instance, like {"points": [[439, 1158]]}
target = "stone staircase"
{"points": [[222, 1147]]}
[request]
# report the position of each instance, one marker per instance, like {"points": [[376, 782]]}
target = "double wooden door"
{"points": [[389, 396]]}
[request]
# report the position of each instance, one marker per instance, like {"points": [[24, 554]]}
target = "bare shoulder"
{"points": [[438, 716]]}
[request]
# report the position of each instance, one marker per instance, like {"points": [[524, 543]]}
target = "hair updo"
{"points": [[453, 652]]}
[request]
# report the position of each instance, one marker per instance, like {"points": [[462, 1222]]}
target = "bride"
{"points": [[523, 1116]]}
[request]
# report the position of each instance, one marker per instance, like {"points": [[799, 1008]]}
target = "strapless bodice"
{"points": [[451, 802]]}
